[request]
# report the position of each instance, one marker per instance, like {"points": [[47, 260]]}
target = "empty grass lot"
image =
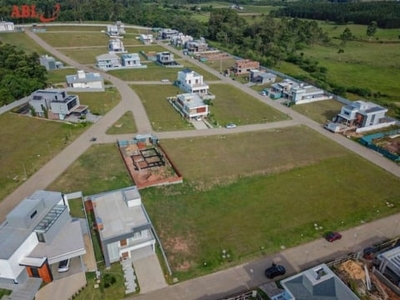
{"points": [[125, 124], [74, 39], [27, 144], [221, 65], [58, 76], [22, 41], [307, 179], [233, 105], [320, 111], [162, 115], [100, 103], [155, 72], [97, 170], [86, 55], [70, 28]]}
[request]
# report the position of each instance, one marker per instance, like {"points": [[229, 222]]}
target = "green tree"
{"points": [[346, 35], [371, 29]]}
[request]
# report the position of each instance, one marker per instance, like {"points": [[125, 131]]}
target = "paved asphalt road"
{"points": [[213, 286]]}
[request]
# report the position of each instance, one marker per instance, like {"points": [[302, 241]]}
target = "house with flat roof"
{"points": [[301, 94], [116, 30], [197, 46], [261, 77], [57, 104], [316, 283], [192, 82], [389, 265], [243, 66], [146, 38], [361, 114], [50, 63], [108, 61], [131, 60], [36, 235], [190, 105], [166, 59], [116, 46], [167, 33], [84, 80], [180, 40], [281, 89], [123, 225], [6, 26]]}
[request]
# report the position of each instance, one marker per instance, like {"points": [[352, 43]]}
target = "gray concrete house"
{"points": [[50, 63]]}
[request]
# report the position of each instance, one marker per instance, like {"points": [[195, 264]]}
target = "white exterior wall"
{"points": [[11, 269], [189, 84], [92, 84], [6, 26]]}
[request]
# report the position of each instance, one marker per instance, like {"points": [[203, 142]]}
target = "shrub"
{"points": [[109, 280]]}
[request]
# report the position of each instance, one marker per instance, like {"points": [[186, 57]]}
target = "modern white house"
{"points": [[281, 89], [306, 94], [116, 46], [131, 60], [192, 82], [180, 40], [146, 38], [50, 63], [108, 61], [6, 26], [316, 283], [57, 104], [123, 225], [84, 80], [36, 235], [197, 46], [191, 106], [116, 30]]}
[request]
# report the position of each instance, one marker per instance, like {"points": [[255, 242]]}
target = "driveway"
{"points": [[62, 289], [149, 274]]}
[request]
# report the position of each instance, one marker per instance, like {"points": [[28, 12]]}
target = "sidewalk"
{"points": [[250, 275]]}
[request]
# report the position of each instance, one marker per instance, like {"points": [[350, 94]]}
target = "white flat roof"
{"points": [[191, 100]]}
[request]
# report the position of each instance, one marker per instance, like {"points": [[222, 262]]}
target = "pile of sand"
{"points": [[353, 269]]}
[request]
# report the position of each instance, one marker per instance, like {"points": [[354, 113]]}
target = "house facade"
{"points": [[281, 89], [192, 82], [191, 106], [166, 58], [131, 60], [56, 103], [84, 80], [243, 66], [180, 40], [260, 77], [314, 284], [37, 234], [167, 33], [50, 63], [146, 38], [197, 46], [112, 31], [307, 93], [361, 114], [6, 26], [108, 61], [124, 227], [116, 46]]}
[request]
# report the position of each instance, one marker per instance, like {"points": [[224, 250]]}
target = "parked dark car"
{"points": [[274, 271], [93, 139], [333, 236]]}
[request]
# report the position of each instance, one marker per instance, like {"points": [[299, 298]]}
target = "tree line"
{"points": [[20, 74], [386, 14]]}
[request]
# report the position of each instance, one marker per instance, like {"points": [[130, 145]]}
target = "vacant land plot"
{"points": [[86, 55], [100, 103], [321, 111], [76, 28], [186, 216], [154, 72], [22, 41], [75, 39], [27, 144], [58, 76], [233, 105], [162, 115], [221, 65], [126, 124], [97, 170], [145, 48]]}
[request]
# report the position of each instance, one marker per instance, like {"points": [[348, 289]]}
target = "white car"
{"points": [[198, 119], [230, 126], [164, 80], [63, 266]]}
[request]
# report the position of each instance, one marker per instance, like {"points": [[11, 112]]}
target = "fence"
{"points": [[367, 141]]}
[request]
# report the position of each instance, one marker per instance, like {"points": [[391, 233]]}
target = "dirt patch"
{"points": [[184, 266], [353, 269]]}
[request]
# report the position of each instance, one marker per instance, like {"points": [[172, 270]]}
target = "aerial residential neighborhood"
{"points": [[168, 157]]}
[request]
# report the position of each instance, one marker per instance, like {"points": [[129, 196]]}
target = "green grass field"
{"points": [[22, 41], [278, 165], [27, 144], [89, 175], [320, 111], [100, 102], [125, 124], [75, 39], [145, 48], [86, 55], [233, 105], [162, 115], [221, 65], [76, 28], [154, 72], [58, 76]]}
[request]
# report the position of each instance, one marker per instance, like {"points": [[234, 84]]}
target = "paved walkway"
{"points": [[63, 288]]}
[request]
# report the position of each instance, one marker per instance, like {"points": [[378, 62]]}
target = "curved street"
{"points": [[213, 286]]}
